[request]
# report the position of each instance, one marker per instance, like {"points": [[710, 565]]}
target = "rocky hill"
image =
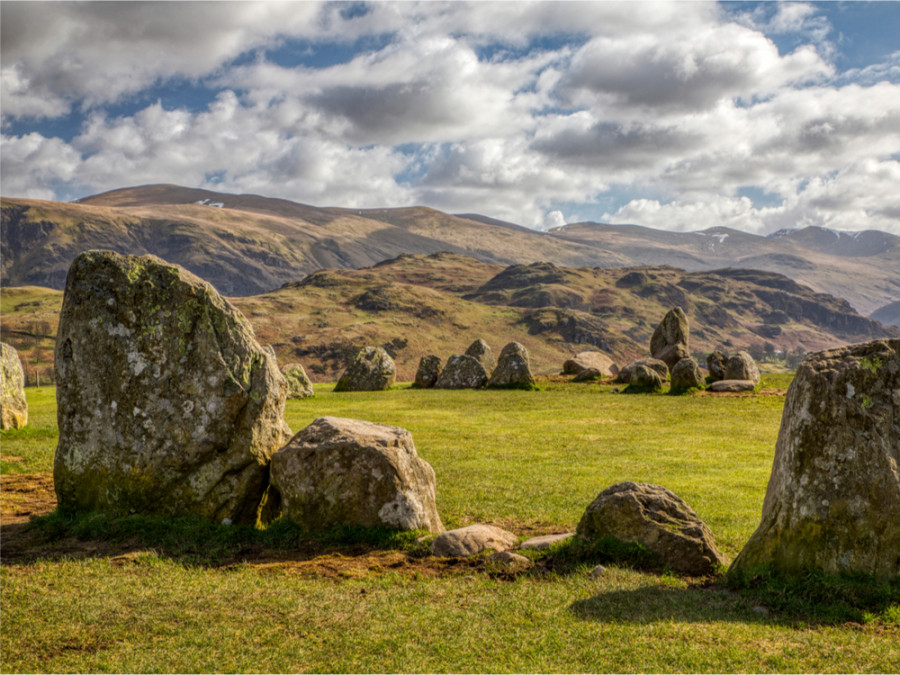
{"points": [[439, 303], [248, 244]]}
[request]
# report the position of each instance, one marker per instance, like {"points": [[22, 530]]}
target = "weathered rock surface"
{"points": [[343, 472], [645, 378], [481, 352], [510, 561], [732, 386], [660, 367], [587, 375], [686, 375], [671, 340], [462, 372], [546, 541], [372, 369], [833, 500], [165, 401], [586, 360], [298, 382], [473, 539], [513, 368], [741, 366], [656, 518], [429, 371], [715, 363], [13, 406]]}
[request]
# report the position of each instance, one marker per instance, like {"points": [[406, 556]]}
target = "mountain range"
{"points": [[247, 244]]}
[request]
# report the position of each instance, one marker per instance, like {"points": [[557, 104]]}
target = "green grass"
{"points": [[156, 595], [30, 449]]}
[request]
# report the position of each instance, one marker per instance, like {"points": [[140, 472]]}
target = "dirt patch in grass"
{"points": [[25, 495]]}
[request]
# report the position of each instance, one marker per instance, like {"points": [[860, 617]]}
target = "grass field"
{"points": [[176, 597]]}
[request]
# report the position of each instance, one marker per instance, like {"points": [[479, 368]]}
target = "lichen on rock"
{"points": [[165, 401]]}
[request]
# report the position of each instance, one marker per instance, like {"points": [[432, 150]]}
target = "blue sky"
{"points": [[679, 115]]}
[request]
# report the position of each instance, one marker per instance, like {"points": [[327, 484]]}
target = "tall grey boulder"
{"points": [[13, 405], [298, 382], [166, 403], [833, 500], [462, 372], [686, 375], [657, 519], [671, 340], [372, 369], [429, 371], [481, 352], [343, 472], [644, 378], [715, 363], [741, 366], [513, 368]]}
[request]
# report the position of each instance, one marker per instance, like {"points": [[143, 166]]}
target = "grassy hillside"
{"points": [[144, 595], [415, 305]]}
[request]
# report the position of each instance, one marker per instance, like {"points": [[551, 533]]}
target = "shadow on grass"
{"points": [[190, 541]]}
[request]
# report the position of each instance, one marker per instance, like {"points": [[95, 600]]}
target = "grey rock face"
{"points": [[671, 339], [372, 369], [586, 360], [429, 371], [587, 375], [686, 375], [655, 364], [462, 372], [510, 561], [473, 539], [165, 401], [546, 541], [732, 386], [481, 352], [645, 378], [513, 368], [833, 500], [656, 518], [298, 383], [13, 406], [741, 366], [339, 471], [715, 363]]}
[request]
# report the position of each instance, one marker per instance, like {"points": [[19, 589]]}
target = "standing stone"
{"points": [[166, 403], [741, 366], [372, 369], [644, 378], [686, 375], [586, 360], [716, 363], [671, 339], [654, 364], [13, 406], [342, 472], [480, 351], [428, 372], [513, 369], [462, 372], [833, 500], [298, 383], [657, 519]]}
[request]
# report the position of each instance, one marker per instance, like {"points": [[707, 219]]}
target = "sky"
{"points": [[674, 115]]}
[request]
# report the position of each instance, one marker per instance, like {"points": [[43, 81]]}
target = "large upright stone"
{"points": [[298, 383], [671, 339], [654, 517], [715, 363], [833, 501], [686, 375], [462, 372], [741, 366], [13, 406], [481, 352], [513, 368], [644, 379], [372, 369], [429, 371], [586, 360], [342, 472], [165, 401]]}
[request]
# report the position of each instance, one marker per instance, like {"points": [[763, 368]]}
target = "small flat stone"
{"points": [[471, 540], [732, 386], [598, 572], [510, 560], [546, 541]]}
